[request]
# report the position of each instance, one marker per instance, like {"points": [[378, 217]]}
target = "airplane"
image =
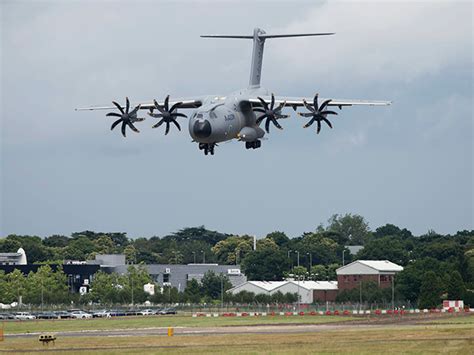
{"points": [[238, 115]]}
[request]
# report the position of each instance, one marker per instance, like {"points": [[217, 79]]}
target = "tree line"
{"points": [[435, 265]]}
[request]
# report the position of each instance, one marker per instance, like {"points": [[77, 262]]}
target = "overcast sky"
{"points": [[63, 171]]}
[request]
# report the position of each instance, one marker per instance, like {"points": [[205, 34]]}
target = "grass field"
{"points": [[13, 327], [427, 339]]}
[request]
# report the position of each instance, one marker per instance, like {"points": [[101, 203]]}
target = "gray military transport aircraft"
{"points": [[236, 116]]}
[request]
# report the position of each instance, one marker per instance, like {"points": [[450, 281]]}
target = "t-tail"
{"points": [[259, 36]]}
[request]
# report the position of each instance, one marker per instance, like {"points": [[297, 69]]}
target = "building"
{"points": [[380, 271], [258, 287], [18, 258], [309, 291]]}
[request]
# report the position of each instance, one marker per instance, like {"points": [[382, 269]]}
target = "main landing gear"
{"points": [[207, 147], [253, 145]]}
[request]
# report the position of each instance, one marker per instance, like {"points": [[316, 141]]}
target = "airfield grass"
{"points": [[63, 325], [408, 339]]}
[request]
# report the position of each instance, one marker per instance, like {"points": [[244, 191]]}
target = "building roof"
{"points": [[267, 286], [369, 267], [316, 285]]}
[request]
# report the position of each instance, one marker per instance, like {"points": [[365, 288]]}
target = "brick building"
{"points": [[380, 271]]}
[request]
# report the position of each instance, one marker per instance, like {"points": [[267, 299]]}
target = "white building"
{"points": [[258, 287], [18, 258], [310, 291]]}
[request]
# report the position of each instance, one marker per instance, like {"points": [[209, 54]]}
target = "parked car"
{"points": [[24, 316], [116, 313], [101, 314], [62, 315], [146, 312], [169, 310], [5, 316], [132, 312], [80, 314], [47, 315]]}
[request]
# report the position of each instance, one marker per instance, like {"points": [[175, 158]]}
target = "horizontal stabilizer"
{"points": [[265, 36]]}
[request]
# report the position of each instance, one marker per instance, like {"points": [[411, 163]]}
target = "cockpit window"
{"points": [[212, 114], [199, 115]]}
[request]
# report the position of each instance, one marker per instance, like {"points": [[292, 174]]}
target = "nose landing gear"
{"points": [[207, 147], [253, 145]]}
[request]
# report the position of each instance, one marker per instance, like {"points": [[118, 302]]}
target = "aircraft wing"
{"points": [[185, 103], [295, 102]]}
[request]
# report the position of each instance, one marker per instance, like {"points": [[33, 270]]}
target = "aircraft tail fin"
{"points": [[259, 36]]}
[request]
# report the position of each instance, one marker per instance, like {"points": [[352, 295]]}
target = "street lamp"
{"points": [[194, 256], [310, 261], [298, 259], [288, 255], [203, 256], [343, 256]]}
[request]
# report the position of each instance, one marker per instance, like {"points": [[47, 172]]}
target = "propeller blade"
{"points": [[327, 122], [167, 99], [156, 115], [177, 114], [275, 122], [119, 107], [272, 102], [319, 127], [167, 128], [260, 119], [259, 110], [158, 124], [115, 124], [325, 103], [175, 106], [135, 110], [127, 105], [305, 114], [158, 107], [123, 128], [115, 114], [328, 113], [281, 106], [315, 102], [309, 123], [177, 125], [133, 127], [267, 125], [308, 106], [264, 104]]}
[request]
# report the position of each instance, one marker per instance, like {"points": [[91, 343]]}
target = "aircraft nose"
{"points": [[202, 129]]}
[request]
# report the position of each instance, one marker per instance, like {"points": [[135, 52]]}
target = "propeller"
{"points": [[168, 115], [271, 114], [127, 118], [317, 113]]}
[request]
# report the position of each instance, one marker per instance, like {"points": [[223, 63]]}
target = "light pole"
{"points": [[298, 293], [203, 256], [298, 258], [360, 296], [288, 254], [222, 291], [343, 256], [194, 256]]}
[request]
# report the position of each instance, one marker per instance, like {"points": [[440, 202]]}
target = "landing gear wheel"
{"points": [[207, 147], [253, 145]]}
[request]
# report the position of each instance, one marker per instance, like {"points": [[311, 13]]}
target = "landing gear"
{"points": [[207, 147], [253, 145]]}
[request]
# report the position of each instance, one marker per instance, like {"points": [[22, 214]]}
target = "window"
{"points": [[166, 278]]}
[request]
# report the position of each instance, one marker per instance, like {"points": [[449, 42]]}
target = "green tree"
{"points": [[228, 250], [280, 238], [456, 288], [213, 283], [430, 291], [265, 265], [193, 291], [353, 229]]}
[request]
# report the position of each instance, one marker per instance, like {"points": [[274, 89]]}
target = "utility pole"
{"points": [[222, 291], [298, 259], [203, 256], [42, 293], [288, 254], [194, 257], [131, 278], [343, 256], [360, 295]]}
